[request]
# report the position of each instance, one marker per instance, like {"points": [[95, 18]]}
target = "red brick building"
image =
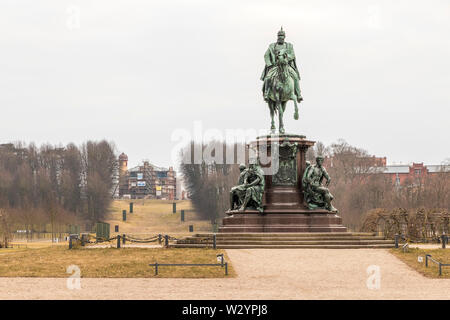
{"points": [[405, 174], [400, 174]]}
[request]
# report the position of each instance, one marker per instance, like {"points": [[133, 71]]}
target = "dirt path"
{"points": [[262, 274]]}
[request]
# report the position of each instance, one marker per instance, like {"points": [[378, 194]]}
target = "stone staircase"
{"points": [[329, 240]]}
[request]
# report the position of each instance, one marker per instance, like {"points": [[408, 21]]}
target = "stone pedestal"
{"points": [[283, 159]]}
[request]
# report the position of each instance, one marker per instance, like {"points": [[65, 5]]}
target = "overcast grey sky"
{"points": [[375, 73]]}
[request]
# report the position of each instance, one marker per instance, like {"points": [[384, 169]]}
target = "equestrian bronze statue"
{"points": [[281, 80]]}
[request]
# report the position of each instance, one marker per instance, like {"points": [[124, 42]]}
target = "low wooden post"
{"points": [[174, 207], [443, 240], [396, 240], [70, 242], [131, 207], [123, 238], [124, 215], [166, 241], [156, 268], [182, 215], [214, 241], [159, 238], [118, 241]]}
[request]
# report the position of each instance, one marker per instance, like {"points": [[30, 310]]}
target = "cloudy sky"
{"points": [[375, 73]]}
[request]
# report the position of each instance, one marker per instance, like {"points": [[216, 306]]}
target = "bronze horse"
{"points": [[281, 90]]}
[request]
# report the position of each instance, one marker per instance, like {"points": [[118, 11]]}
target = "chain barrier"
{"points": [[139, 240], [160, 238]]}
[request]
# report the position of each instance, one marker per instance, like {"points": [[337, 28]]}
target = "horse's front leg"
{"points": [[281, 107], [272, 114], [296, 107]]}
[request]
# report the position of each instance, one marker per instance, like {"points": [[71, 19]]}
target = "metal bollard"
{"points": [[443, 240], [396, 240], [426, 260], [214, 241], [159, 238], [156, 268], [182, 215], [226, 268], [118, 242], [191, 228], [123, 239], [70, 243], [166, 241], [174, 207], [124, 215], [131, 207]]}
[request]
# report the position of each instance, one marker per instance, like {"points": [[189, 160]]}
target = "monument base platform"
{"points": [[306, 221]]}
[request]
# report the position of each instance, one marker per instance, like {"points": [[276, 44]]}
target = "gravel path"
{"points": [[262, 274]]}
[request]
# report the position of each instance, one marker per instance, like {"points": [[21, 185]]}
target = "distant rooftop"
{"points": [[155, 168]]}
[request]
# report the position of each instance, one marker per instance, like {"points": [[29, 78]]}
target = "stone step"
{"points": [[318, 242], [266, 246], [347, 240], [290, 238], [288, 235]]}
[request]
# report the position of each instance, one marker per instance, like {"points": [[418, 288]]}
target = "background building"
{"points": [[407, 174], [146, 181]]}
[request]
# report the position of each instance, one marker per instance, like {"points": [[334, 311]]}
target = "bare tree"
{"points": [[209, 183]]}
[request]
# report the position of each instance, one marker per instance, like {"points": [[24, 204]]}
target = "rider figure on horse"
{"points": [[270, 59]]}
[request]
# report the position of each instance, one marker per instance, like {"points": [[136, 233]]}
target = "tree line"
{"points": [[208, 183], [56, 185]]}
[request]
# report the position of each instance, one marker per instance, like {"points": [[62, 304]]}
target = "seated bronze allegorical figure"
{"points": [[316, 195], [249, 192], [237, 193]]}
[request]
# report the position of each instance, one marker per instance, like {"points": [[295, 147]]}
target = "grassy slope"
{"points": [[155, 216], [411, 259], [109, 263]]}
